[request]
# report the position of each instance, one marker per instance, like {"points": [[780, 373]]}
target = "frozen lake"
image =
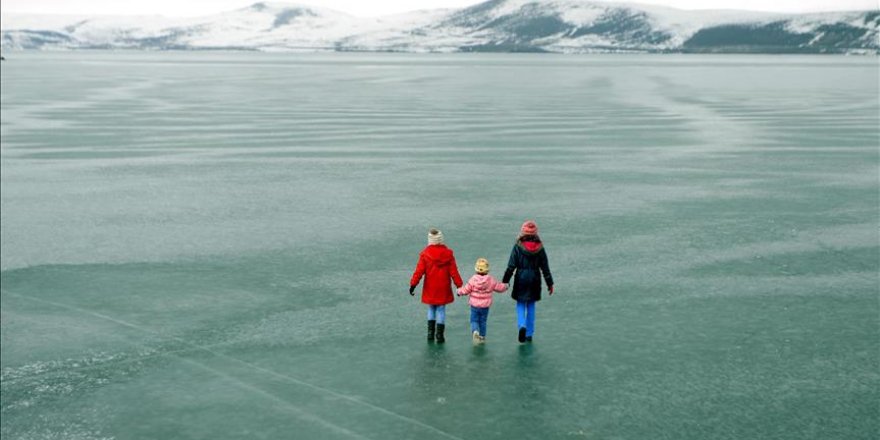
{"points": [[218, 245]]}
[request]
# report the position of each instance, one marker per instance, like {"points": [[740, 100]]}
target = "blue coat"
{"points": [[528, 261]]}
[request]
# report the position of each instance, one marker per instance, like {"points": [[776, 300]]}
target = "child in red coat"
{"points": [[437, 265]]}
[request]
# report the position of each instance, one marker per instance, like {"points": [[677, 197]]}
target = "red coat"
{"points": [[437, 264]]}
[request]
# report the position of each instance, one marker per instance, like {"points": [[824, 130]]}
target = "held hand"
{"points": [[412, 290]]}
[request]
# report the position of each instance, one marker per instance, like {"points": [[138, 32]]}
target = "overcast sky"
{"points": [[382, 7]]}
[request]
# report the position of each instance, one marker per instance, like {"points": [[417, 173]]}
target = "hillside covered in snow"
{"points": [[566, 26]]}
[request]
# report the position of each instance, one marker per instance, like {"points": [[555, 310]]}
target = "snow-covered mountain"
{"points": [[571, 26], [259, 26]]}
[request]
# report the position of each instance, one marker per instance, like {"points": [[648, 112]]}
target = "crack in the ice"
{"points": [[255, 368]]}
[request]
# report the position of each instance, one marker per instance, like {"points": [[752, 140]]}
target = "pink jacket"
{"points": [[480, 288]]}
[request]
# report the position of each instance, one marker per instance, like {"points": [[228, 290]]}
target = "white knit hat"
{"points": [[435, 236]]}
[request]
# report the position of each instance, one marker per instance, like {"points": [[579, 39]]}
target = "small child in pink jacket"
{"points": [[480, 287]]}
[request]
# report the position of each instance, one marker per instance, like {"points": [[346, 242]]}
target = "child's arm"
{"points": [[466, 290], [498, 286], [511, 266], [545, 269], [453, 271], [417, 275]]}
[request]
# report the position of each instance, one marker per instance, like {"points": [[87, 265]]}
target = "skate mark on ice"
{"points": [[238, 382], [254, 367]]}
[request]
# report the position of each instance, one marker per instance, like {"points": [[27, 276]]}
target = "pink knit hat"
{"points": [[529, 228]]}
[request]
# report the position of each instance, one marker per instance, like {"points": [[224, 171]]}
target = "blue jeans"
{"points": [[437, 313], [479, 315], [525, 316]]}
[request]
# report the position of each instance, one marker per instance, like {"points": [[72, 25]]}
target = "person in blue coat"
{"points": [[528, 263]]}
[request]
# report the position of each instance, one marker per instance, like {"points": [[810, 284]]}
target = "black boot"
{"points": [[440, 338], [431, 324], [522, 335]]}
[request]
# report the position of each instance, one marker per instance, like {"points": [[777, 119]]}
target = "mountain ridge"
{"points": [[564, 26]]}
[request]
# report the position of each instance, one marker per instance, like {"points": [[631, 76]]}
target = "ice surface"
{"points": [[217, 245]]}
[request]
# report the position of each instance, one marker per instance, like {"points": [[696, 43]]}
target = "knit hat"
{"points": [[435, 236], [528, 228], [482, 266]]}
